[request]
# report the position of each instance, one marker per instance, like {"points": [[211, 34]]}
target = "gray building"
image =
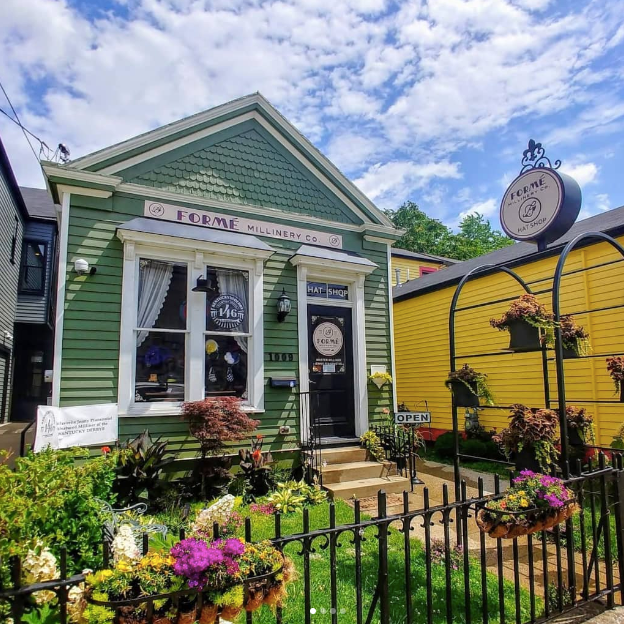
{"points": [[28, 260], [34, 316], [13, 216]]}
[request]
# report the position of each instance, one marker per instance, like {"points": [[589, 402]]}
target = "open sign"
{"points": [[411, 418]]}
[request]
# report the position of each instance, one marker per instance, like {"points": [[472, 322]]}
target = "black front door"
{"points": [[330, 360]]}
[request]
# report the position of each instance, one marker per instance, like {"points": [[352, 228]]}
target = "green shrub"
{"points": [[477, 448], [444, 446], [51, 497]]}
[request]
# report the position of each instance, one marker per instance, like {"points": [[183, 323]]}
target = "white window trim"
{"points": [[352, 275], [198, 256]]}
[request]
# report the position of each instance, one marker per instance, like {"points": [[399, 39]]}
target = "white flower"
{"points": [[76, 603], [124, 546], [218, 512], [40, 565]]}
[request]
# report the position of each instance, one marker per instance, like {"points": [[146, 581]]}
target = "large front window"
{"points": [[165, 333], [161, 332], [227, 333]]}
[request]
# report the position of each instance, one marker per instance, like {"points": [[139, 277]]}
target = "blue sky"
{"points": [[431, 101]]}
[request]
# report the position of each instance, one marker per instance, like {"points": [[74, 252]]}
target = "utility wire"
{"points": [[19, 123], [34, 136]]}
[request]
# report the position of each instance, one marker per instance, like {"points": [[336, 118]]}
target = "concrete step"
{"points": [[343, 455], [364, 488], [350, 471]]}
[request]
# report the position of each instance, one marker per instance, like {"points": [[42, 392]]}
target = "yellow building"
{"points": [[409, 265], [421, 329]]}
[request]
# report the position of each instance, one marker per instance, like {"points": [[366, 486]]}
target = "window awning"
{"points": [[349, 261], [144, 230]]}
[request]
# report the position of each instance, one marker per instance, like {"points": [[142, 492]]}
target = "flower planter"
{"points": [[574, 437], [462, 396], [524, 337], [380, 383], [493, 523], [526, 460], [230, 613], [208, 614], [622, 394], [569, 354]]}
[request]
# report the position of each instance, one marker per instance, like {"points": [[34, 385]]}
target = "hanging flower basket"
{"points": [[467, 386], [534, 502], [380, 379], [199, 580], [529, 324]]}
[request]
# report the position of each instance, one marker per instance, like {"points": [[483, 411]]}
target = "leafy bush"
{"points": [[371, 442], [51, 497], [256, 470], [141, 464], [213, 422], [444, 446]]}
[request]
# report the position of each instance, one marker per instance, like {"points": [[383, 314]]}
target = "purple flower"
{"points": [[233, 547], [553, 501]]}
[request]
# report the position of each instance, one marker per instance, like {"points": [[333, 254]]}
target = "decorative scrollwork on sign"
{"points": [[534, 157]]}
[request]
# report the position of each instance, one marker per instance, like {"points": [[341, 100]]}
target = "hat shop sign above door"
{"points": [[203, 218], [541, 204]]}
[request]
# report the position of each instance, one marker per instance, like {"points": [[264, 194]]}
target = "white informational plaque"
{"points": [[81, 425]]}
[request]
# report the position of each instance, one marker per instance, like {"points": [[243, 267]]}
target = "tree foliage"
{"points": [[425, 234]]}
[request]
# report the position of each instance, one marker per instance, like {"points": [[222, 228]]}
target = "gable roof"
{"points": [[39, 203], [122, 155], [404, 253], [611, 222]]}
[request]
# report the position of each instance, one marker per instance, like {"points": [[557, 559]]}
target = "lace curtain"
{"points": [[236, 283], [154, 281]]}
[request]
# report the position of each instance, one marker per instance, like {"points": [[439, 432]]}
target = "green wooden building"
{"points": [[180, 251]]}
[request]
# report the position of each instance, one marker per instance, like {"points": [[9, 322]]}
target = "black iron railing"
{"points": [[371, 570], [311, 443], [401, 444]]}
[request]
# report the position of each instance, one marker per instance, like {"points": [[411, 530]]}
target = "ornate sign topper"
{"points": [[541, 204]]}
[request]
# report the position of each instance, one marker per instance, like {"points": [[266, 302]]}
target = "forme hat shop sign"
{"points": [[541, 204]]}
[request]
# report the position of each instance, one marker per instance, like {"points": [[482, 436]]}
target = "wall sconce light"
{"points": [[203, 285], [81, 266], [283, 306]]}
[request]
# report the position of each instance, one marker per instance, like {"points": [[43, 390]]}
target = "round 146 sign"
{"points": [[540, 205]]}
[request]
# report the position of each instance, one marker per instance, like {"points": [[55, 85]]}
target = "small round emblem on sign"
{"points": [[327, 339], [227, 311], [156, 210], [334, 240]]}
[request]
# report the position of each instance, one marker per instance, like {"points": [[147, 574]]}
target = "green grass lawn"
{"points": [[293, 611]]}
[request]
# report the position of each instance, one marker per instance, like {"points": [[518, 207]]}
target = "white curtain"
{"points": [[154, 281], [236, 283]]}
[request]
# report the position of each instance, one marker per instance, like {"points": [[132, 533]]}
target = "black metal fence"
{"points": [[406, 564]]}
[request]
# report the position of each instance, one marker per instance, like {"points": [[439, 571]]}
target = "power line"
{"points": [[19, 123], [34, 136]]}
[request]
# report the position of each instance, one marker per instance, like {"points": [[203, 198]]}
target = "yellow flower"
{"points": [[524, 502], [124, 566], [104, 574], [521, 493]]}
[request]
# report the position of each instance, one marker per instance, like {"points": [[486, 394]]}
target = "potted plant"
{"points": [[467, 386], [534, 502], [529, 324], [580, 426], [574, 338], [380, 379], [615, 366], [372, 443], [530, 438]]}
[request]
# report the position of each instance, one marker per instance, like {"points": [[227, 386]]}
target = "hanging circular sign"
{"points": [[327, 338], [227, 311], [540, 205]]}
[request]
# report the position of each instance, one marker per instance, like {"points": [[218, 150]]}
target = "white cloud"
{"points": [[584, 173], [390, 184], [488, 208], [369, 81], [595, 205]]}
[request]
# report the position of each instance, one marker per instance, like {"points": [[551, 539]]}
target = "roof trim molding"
{"points": [[255, 103]]}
